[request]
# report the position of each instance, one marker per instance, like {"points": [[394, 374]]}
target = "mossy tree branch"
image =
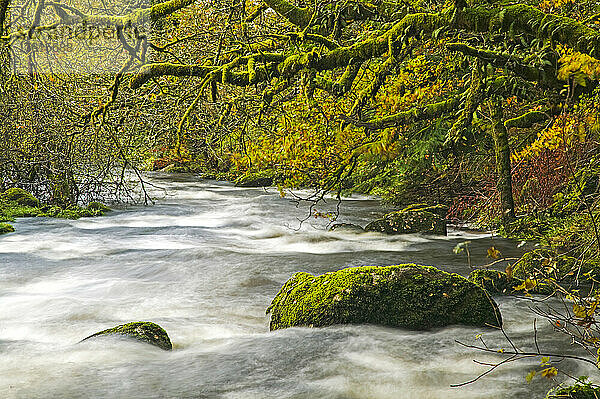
{"points": [[411, 116], [529, 119], [545, 75]]}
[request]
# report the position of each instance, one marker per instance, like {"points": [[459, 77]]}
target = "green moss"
{"points": [[410, 220], [98, 206], [263, 178], [497, 282], [16, 203], [6, 228], [407, 296], [21, 197], [582, 389], [142, 331]]}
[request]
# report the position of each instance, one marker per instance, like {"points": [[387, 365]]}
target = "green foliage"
{"points": [[582, 389], [6, 228], [497, 282]]}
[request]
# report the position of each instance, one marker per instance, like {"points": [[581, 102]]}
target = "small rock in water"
{"points": [[144, 331], [259, 179], [350, 227], [413, 219]]}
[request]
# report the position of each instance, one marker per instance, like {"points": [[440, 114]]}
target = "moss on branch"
{"points": [[296, 15], [528, 120], [410, 116], [546, 76], [136, 17]]}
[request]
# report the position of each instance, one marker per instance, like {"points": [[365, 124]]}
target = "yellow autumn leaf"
{"points": [[549, 372], [530, 376], [493, 253]]}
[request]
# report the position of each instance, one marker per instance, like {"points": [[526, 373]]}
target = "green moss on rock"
{"points": [[258, 179], [498, 282], [6, 228], [98, 206], [142, 331], [21, 197], [410, 220], [406, 296]]}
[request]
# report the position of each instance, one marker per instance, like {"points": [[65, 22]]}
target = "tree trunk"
{"points": [[503, 169]]}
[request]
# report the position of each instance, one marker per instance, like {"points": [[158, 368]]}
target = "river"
{"points": [[204, 263]]}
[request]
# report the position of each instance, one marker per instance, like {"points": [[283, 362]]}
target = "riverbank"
{"points": [[18, 203]]}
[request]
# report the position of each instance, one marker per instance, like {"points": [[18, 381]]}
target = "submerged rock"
{"points": [[142, 331], [410, 220], [497, 282], [259, 179], [347, 227], [407, 296], [21, 197], [6, 228]]}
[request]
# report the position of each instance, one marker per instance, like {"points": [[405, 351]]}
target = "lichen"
{"points": [[144, 331], [407, 296]]}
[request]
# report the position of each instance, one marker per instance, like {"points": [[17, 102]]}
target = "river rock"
{"points": [[142, 331], [349, 227], [409, 220], [406, 296], [21, 197], [259, 179]]}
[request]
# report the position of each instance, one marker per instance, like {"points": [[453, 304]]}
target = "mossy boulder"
{"points": [[6, 228], [498, 282], [144, 331], [413, 219], [348, 227], [439, 209], [21, 197], [258, 179], [406, 296]]}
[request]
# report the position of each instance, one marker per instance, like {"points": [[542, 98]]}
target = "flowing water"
{"points": [[204, 263]]}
